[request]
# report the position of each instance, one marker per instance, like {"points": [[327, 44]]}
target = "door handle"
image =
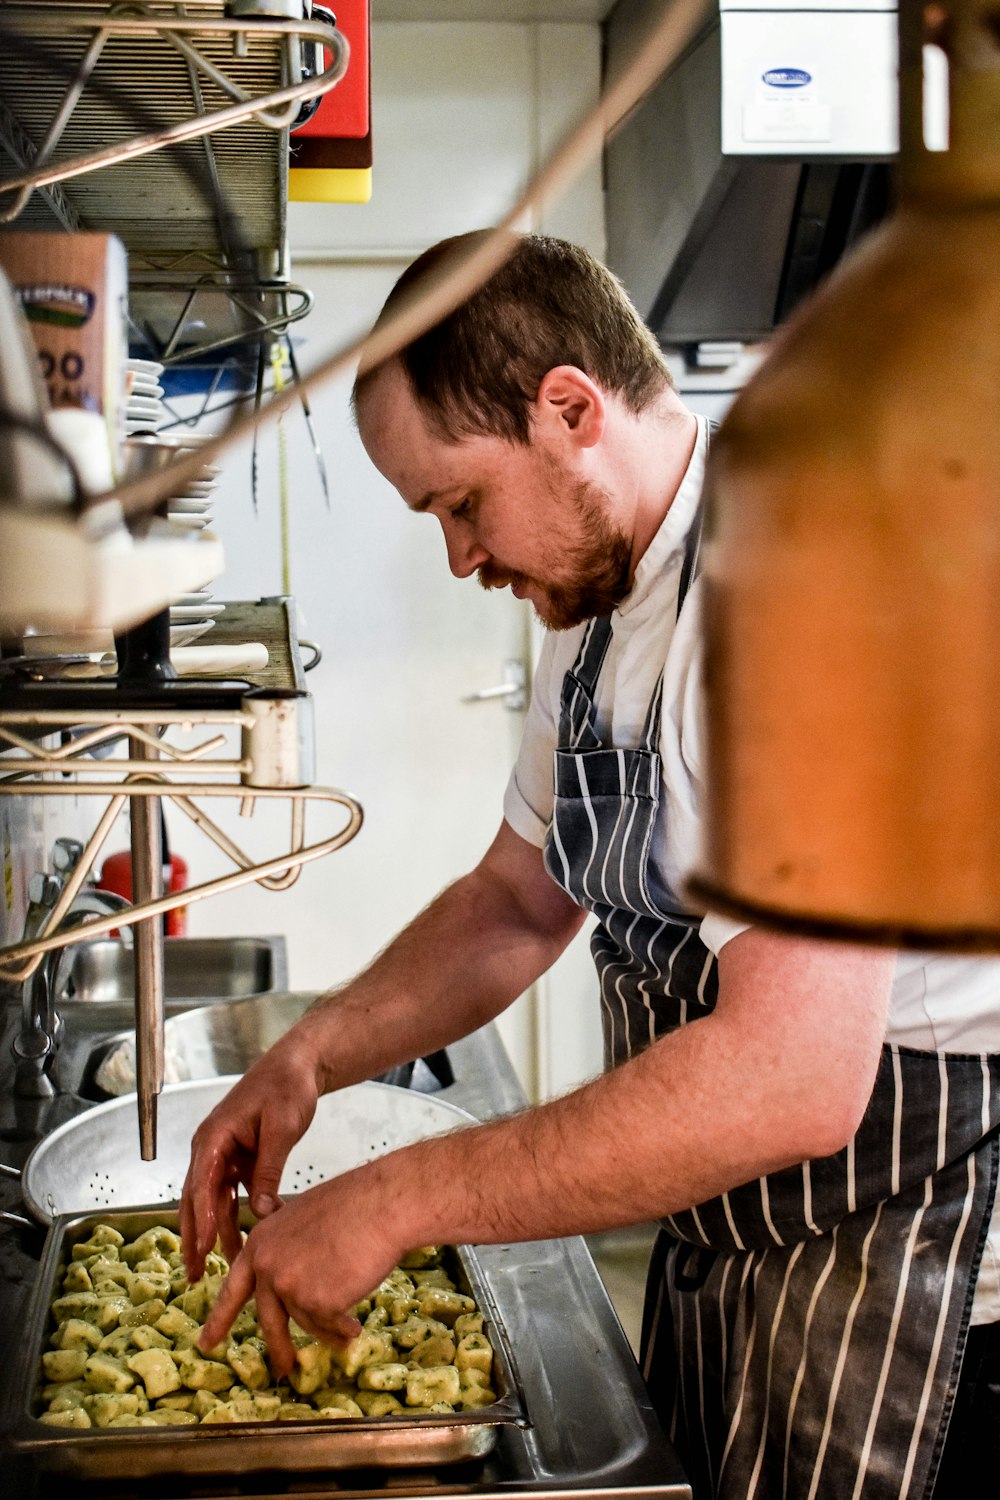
{"points": [[511, 690]]}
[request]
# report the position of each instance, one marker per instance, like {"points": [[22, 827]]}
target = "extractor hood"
{"points": [[755, 163]]}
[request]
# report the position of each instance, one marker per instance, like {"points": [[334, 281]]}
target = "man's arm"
{"points": [[468, 956], [781, 1071], [461, 962]]}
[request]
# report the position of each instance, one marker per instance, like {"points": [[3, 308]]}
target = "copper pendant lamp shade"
{"points": [[852, 563]]}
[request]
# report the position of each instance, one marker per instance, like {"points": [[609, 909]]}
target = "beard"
{"points": [[591, 572]]}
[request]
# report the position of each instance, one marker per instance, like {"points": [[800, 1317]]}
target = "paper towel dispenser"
{"points": [[812, 77], [755, 163]]}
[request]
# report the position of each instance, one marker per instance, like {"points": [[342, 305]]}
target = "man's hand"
{"points": [[245, 1140], [430, 986], [313, 1260]]}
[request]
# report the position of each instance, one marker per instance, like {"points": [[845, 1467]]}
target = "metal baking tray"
{"points": [[141, 1452]]}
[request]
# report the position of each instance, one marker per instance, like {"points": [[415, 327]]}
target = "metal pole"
{"points": [[147, 885]]}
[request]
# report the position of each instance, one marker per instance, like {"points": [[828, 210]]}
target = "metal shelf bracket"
{"points": [[181, 774]]}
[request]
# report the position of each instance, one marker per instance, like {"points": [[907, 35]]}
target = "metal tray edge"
{"points": [[142, 1452]]}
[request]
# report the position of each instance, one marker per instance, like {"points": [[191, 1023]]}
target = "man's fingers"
{"points": [[204, 1189], [194, 1262], [272, 1152], [272, 1315], [237, 1289], [227, 1221], [329, 1327]]}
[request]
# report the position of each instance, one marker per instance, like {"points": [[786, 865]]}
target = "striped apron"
{"points": [[802, 1333]]}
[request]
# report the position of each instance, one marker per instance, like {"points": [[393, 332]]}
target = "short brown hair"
{"points": [[551, 303]]}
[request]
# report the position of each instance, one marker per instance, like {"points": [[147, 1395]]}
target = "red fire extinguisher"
{"points": [[116, 875]]}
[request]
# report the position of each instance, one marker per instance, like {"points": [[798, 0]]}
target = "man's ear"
{"points": [[570, 405]]}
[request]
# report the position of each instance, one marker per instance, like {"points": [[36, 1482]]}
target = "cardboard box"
{"points": [[73, 290]]}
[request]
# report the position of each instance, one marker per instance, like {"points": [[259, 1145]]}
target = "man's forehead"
{"points": [[400, 441], [387, 384], [389, 416]]}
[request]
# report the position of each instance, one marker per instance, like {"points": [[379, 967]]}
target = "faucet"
{"points": [[35, 1044]]}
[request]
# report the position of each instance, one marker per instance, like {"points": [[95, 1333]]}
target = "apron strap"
{"points": [[688, 569], [593, 650], [692, 549]]}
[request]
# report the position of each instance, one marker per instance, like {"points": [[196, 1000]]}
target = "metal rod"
{"points": [[59, 123], [196, 60], [179, 325], [22, 151], [238, 295], [212, 168], [272, 325], [229, 847], [95, 738], [254, 451], [39, 766], [58, 21], [184, 718], [147, 957]]}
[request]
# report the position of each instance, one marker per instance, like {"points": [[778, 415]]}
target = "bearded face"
{"points": [[587, 563], [531, 516]]}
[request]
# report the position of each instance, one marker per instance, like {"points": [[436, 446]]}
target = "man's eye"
{"points": [[461, 509]]}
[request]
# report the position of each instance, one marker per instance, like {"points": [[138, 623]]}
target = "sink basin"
{"points": [[219, 1041], [208, 1041], [206, 969], [97, 998], [226, 1001]]}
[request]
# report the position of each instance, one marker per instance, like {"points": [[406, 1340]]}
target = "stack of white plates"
{"points": [[191, 617], [193, 509], [149, 452], [144, 401]]}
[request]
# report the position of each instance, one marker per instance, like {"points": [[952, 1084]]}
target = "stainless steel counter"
{"points": [[593, 1432]]}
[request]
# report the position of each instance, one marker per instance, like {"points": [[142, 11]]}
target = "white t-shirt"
{"points": [[939, 1002]]}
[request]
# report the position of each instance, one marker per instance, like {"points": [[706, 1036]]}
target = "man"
{"points": [[825, 1196]]}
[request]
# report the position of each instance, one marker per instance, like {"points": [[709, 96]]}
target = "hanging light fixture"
{"points": [[852, 560]]}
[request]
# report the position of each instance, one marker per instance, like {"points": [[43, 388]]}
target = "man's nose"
{"points": [[465, 554]]}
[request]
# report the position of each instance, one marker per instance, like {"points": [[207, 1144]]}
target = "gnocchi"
{"points": [[125, 1324]]}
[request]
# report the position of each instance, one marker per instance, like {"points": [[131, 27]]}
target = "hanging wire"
{"points": [[278, 377]]}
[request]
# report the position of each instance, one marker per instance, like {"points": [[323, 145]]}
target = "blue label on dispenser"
{"points": [[787, 78]]}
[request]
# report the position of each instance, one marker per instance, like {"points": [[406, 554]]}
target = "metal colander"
{"points": [[93, 1162]]}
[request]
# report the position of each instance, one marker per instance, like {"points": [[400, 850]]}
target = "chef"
{"points": [[814, 1125]]}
